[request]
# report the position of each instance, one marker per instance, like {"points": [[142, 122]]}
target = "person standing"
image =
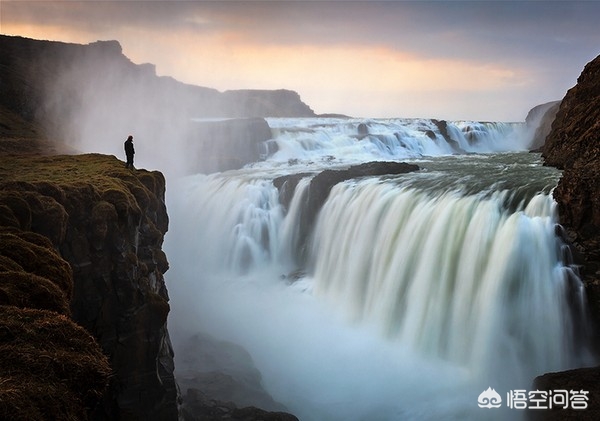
{"points": [[129, 152]]}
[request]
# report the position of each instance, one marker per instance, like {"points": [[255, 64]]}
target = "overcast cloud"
{"points": [[489, 60]]}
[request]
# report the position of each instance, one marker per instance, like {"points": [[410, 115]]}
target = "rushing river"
{"points": [[410, 294]]}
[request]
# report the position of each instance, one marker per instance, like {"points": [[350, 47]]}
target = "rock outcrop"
{"points": [[539, 123], [88, 95], [227, 144], [213, 373], [321, 185], [82, 238], [573, 145]]}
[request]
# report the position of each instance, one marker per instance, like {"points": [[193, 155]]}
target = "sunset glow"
{"points": [[337, 62]]}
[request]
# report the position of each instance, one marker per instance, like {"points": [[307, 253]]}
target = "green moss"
{"points": [[60, 171]]}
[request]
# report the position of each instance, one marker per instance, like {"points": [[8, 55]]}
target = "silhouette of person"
{"points": [[129, 152]]}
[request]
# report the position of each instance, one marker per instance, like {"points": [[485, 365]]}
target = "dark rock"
{"points": [[430, 134], [573, 145], [223, 371], [574, 141], [99, 231], [586, 379], [287, 186], [321, 184], [363, 130], [51, 368], [199, 407], [442, 126]]}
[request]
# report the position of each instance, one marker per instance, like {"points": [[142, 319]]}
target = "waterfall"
{"points": [[452, 276], [408, 296], [355, 140]]}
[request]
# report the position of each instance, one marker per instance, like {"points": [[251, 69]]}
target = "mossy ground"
{"points": [[51, 368]]}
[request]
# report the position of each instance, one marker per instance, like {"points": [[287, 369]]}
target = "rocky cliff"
{"points": [[82, 238], [573, 145], [539, 122], [92, 96], [223, 145]]}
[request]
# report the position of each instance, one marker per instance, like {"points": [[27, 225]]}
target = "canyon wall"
{"points": [[97, 231], [573, 145]]}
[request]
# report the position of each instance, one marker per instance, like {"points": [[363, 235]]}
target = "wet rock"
{"points": [[573, 145], [583, 379], [222, 371], [199, 407]]}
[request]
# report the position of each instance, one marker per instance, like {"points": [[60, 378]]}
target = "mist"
{"points": [[227, 276], [92, 97], [96, 98]]}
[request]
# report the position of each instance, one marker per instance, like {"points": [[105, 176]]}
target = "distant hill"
{"points": [[94, 92]]}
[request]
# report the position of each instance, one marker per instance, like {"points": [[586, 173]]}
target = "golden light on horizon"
{"points": [[326, 75]]}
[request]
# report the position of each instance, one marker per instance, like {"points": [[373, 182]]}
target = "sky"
{"points": [[455, 60]]}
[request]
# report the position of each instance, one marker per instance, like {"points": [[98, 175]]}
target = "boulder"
{"points": [[582, 379]]}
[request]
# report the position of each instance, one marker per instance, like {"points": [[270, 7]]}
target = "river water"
{"points": [[408, 297]]}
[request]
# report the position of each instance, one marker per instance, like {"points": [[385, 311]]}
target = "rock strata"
{"points": [[573, 145]]}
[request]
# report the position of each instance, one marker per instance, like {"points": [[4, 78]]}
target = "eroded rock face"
{"points": [[574, 146], [108, 223]]}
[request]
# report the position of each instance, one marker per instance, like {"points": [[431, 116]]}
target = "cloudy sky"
{"points": [[480, 60]]}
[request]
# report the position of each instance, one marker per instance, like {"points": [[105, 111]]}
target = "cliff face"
{"points": [[226, 145], [106, 225], [574, 146], [92, 96], [539, 121]]}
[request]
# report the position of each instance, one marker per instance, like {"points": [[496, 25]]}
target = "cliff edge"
{"points": [[81, 237], [573, 145]]}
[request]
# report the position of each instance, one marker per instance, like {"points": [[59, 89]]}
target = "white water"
{"points": [[420, 290]]}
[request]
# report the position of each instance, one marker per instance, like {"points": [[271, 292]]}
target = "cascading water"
{"points": [[418, 292]]}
